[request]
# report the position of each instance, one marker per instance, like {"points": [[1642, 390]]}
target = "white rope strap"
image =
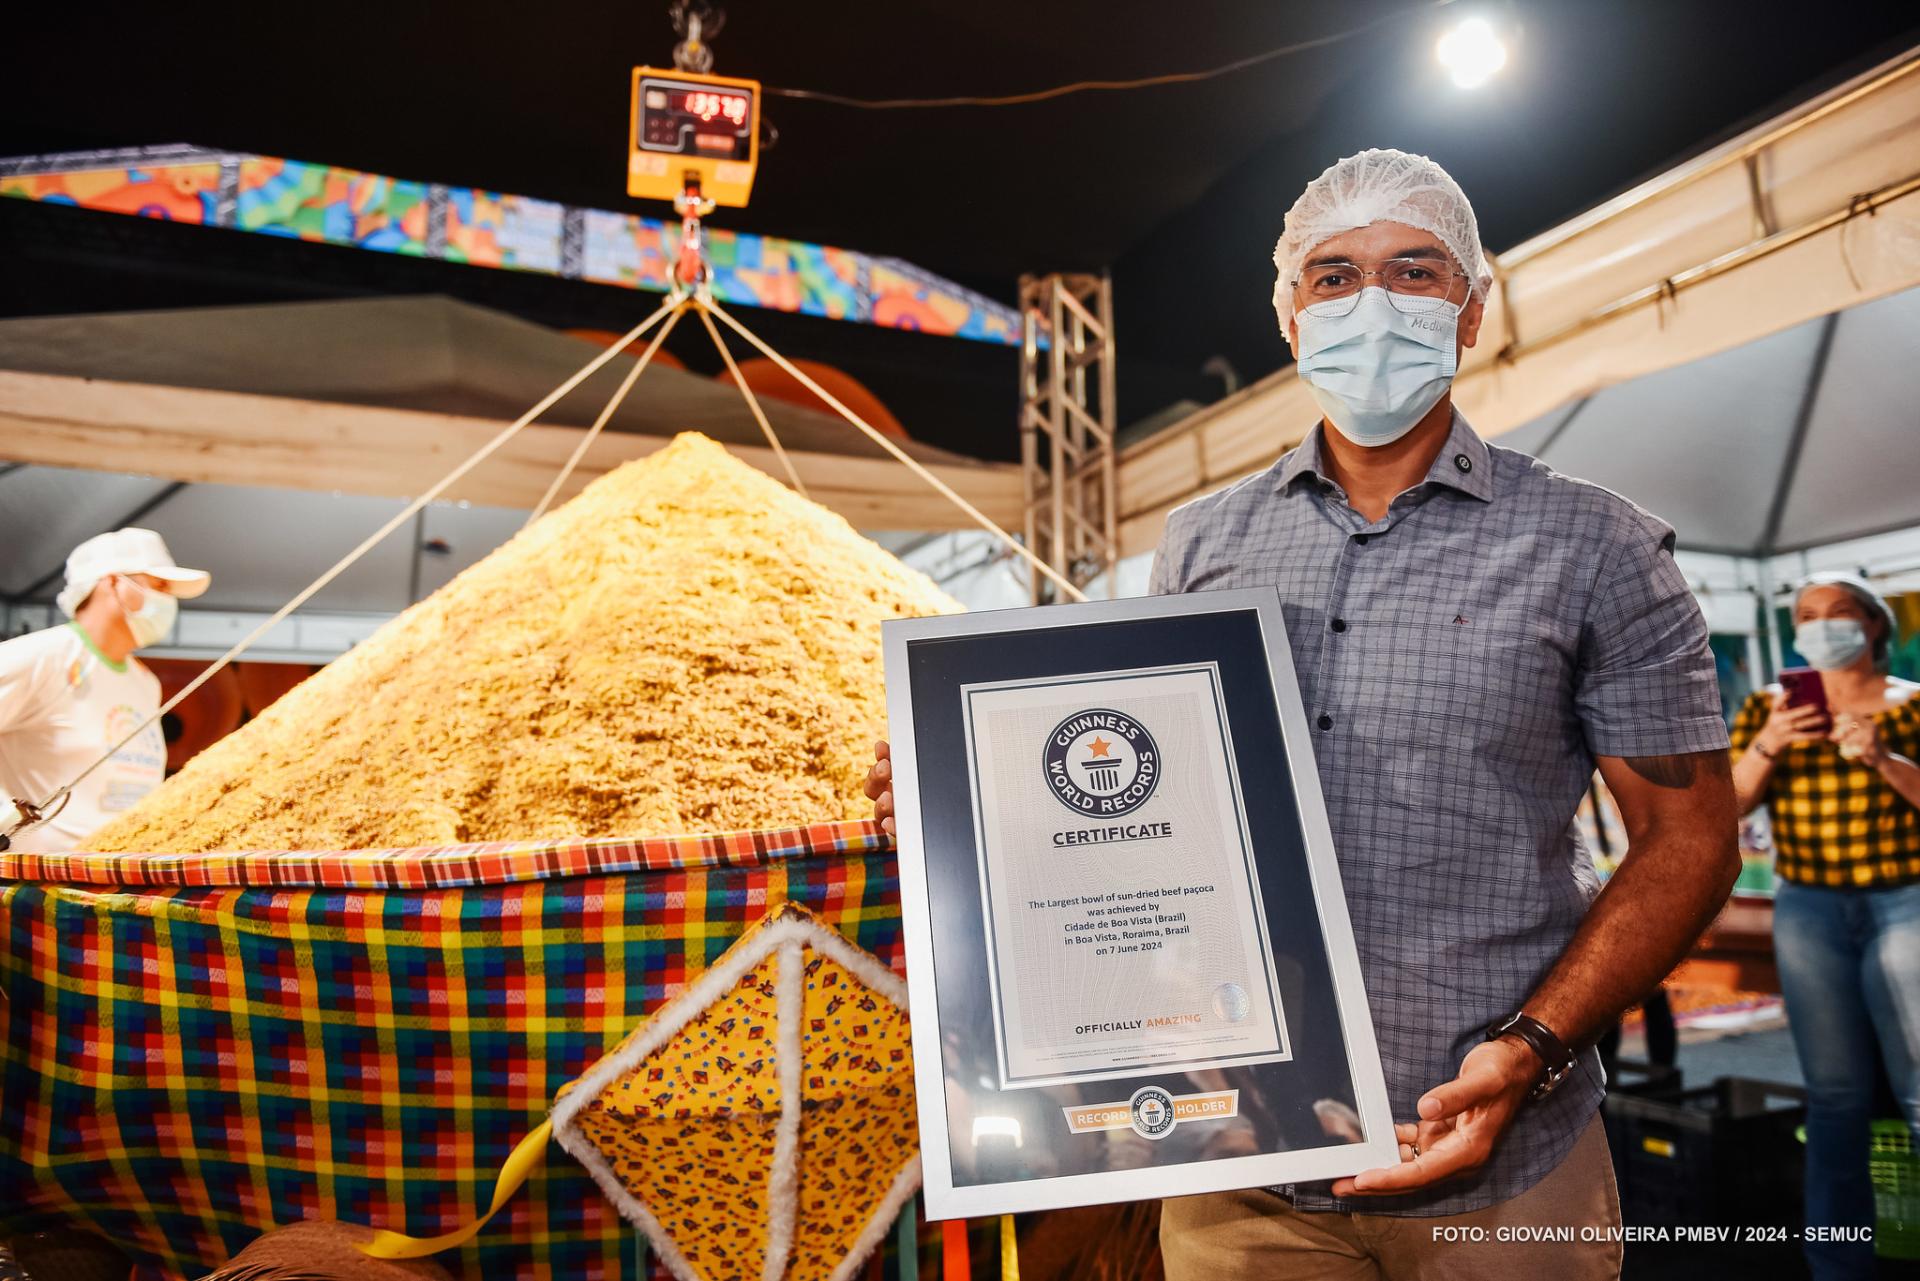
{"points": [[612, 406], [753, 401], [879, 438]]}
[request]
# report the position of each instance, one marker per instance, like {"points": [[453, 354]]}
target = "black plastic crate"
{"points": [[1648, 1080], [1723, 1154]]}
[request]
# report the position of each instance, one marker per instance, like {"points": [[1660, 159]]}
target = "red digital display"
{"points": [[706, 105]]}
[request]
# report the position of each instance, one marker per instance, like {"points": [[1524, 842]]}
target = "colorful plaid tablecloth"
{"points": [[198, 1048]]}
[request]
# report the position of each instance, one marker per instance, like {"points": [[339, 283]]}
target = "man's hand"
{"points": [[880, 786], [1460, 1122]]}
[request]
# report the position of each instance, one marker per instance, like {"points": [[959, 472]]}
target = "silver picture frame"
{"points": [[1033, 1160]]}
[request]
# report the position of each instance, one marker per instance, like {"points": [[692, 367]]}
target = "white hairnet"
{"points": [[1378, 185]]}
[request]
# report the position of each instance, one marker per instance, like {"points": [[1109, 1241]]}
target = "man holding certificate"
{"points": [[1473, 634]]}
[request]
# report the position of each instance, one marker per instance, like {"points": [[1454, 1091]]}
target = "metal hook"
{"points": [[699, 23], [16, 815]]}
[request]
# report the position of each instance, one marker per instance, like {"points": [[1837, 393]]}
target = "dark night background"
{"points": [[1179, 191]]}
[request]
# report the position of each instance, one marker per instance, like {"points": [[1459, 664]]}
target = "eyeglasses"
{"points": [[1414, 285]]}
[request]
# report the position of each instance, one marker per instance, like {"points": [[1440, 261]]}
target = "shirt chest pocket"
{"points": [[1496, 682]]}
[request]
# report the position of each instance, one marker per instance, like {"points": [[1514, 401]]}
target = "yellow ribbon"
{"points": [[1009, 1250], [394, 1245]]}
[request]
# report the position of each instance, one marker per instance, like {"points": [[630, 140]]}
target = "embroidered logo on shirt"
{"points": [[1461, 619]]}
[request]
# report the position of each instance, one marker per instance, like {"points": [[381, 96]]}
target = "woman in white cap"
{"points": [[1842, 788], [69, 693]]}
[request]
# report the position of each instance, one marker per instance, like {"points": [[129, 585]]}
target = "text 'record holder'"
{"points": [[1129, 959]]}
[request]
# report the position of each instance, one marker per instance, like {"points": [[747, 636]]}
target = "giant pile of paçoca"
{"points": [[687, 646]]}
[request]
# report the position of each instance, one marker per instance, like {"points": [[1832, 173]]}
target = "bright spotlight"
{"points": [[1472, 53]]}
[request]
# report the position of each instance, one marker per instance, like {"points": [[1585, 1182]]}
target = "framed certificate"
{"points": [[1129, 959]]}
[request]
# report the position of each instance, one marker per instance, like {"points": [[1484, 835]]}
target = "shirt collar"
{"points": [[86, 639], [1463, 462], [1302, 460]]}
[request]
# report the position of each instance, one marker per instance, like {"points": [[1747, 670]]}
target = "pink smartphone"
{"points": [[1805, 689]]}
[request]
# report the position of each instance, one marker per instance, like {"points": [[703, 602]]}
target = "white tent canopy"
{"points": [[1809, 215], [1805, 437]]}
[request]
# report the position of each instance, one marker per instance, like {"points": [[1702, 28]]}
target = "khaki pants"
{"points": [[1258, 1234]]}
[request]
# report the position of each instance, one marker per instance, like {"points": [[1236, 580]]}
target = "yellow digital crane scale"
{"points": [[688, 126]]}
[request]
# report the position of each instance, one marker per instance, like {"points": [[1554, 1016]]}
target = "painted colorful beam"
{"points": [[327, 204]]}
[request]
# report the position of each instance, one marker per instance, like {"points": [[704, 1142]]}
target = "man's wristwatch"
{"points": [[1539, 1038]]}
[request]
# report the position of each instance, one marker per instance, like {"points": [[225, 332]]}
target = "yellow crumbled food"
{"points": [[687, 646]]}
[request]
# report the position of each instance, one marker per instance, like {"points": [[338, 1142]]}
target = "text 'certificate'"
{"points": [[1124, 929]]}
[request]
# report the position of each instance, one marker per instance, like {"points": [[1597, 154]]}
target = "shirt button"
{"points": [[1464, 463], [1361, 539], [1339, 624], [1325, 721]]}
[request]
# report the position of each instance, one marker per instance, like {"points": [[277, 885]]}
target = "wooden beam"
{"points": [[235, 438], [1210, 450]]}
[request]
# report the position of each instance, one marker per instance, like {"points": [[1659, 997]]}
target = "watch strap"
{"points": [[1538, 1037]]}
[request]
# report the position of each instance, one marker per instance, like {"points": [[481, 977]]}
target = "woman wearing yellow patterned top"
{"points": [[1844, 798]]}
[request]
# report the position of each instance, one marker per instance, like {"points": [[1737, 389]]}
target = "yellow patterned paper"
{"points": [[693, 1128], [857, 1120], [762, 1124]]}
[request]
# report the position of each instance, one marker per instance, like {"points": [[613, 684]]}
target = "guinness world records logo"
{"points": [[1101, 764], [1150, 1111]]}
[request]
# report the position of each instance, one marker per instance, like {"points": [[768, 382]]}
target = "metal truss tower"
{"points": [[1067, 426]]}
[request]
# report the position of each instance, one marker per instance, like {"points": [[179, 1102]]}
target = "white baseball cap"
{"points": [[126, 551]]}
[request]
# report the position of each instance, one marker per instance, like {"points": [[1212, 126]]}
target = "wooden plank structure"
{"points": [[237, 438], [382, 396]]}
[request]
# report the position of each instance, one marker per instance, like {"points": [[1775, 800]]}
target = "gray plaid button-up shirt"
{"points": [[1462, 661]]}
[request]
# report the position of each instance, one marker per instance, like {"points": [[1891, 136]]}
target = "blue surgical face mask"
{"points": [[1377, 370], [1829, 644]]}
